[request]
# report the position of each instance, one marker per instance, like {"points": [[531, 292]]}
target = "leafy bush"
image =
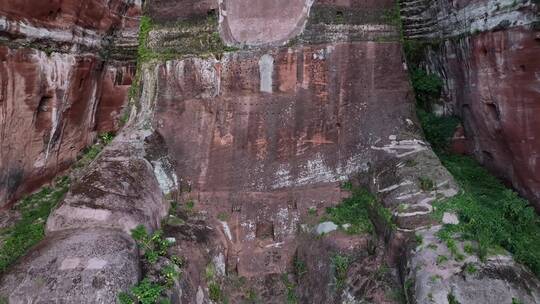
{"points": [[148, 291], [341, 266], [427, 88], [438, 130], [153, 245]]}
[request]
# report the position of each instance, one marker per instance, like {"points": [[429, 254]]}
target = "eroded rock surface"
{"points": [[59, 84], [255, 143], [74, 266], [261, 137], [437, 275]]}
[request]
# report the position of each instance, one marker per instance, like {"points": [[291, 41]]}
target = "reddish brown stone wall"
{"points": [[496, 87], [47, 115], [55, 95], [98, 15]]}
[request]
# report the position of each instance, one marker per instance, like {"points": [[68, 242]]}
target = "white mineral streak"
{"points": [[315, 170], [226, 230], [266, 69], [403, 148], [75, 34]]}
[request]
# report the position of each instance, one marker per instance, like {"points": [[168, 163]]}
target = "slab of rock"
{"points": [[437, 276], [450, 218], [119, 191], [83, 266], [326, 227]]}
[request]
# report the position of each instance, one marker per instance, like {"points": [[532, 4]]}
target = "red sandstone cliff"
{"points": [[486, 52], [59, 83]]}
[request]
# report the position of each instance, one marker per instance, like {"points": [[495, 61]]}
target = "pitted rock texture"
{"points": [[118, 191], [88, 266]]}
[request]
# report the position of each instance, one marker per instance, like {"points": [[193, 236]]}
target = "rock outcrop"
{"points": [[486, 54], [88, 255], [62, 81]]}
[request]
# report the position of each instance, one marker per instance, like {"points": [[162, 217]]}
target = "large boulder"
{"points": [[77, 266]]}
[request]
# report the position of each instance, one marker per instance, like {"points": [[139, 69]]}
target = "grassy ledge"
{"points": [[16, 240], [492, 216], [30, 229]]}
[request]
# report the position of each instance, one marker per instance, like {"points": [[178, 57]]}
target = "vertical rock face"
{"points": [[59, 83], [488, 59], [261, 135]]}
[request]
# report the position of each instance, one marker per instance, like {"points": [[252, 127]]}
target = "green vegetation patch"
{"points": [[427, 87], [490, 214], [35, 209], [438, 129], [30, 229], [341, 265], [353, 210], [188, 37], [152, 291], [290, 288]]}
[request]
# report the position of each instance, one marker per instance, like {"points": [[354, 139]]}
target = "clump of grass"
{"points": [[30, 229], [426, 183], [151, 291], [223, 216], [290, 289], [470, 268], [214, 292], [354, 211], [441, 259], [300, 267], [452, 299], [341, 267], [190, 204]]}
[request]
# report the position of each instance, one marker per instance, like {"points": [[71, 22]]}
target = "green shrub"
{"points": [[427, 88], [438, 130], [148, 291], [153, 245], [341, 267]]}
